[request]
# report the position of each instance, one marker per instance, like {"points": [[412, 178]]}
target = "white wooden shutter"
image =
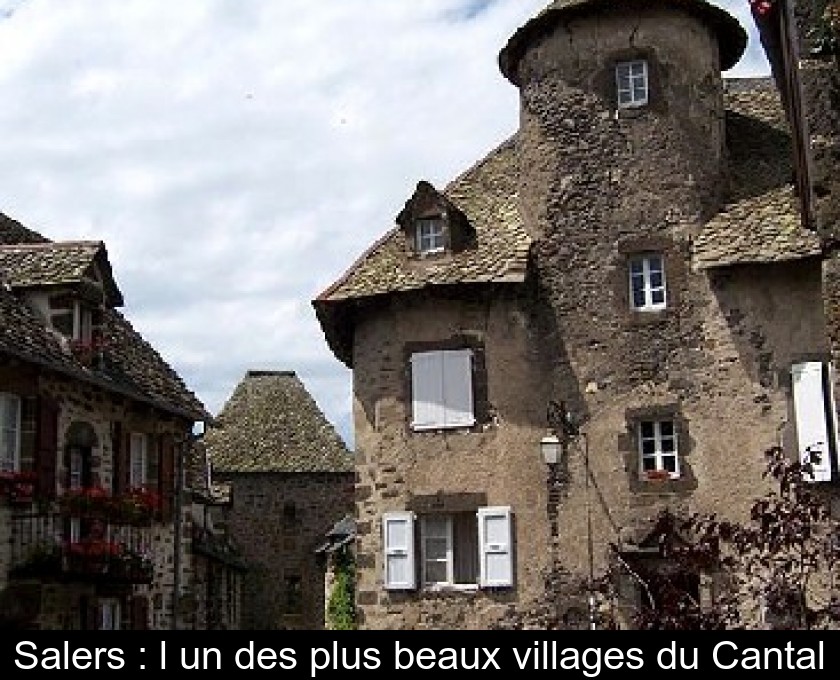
{"points": [[458, 388], [495, 547], [398, 542], [427, 390], [812, 430]]}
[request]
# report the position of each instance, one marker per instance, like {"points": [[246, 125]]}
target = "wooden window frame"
{"points": [[626, 98], [659, 453], [430, 235], [644, 278]]}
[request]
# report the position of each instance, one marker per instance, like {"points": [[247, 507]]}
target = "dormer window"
{"points": [[430, 236], [72, 318], [631, 79]]}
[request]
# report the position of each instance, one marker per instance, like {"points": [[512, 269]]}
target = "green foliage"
{"points": [[341, 608]]}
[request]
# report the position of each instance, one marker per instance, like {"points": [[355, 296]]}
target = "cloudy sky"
{"points": [[237, 155]]}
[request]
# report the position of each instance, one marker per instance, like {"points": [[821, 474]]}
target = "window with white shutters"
{"points": [[815, 415], [442, 389], [495, 547], [398, 542], [457, 550], [9, 432]]}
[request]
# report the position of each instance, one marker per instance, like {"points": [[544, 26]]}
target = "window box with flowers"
{"points": [[18, 488], [88, 502], [90, 556], [138, 507]]}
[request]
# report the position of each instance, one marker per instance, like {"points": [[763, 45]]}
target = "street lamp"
{"points": [[562, 423], [550, 449]]}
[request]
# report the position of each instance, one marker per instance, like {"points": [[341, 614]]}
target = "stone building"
{"points": [[632, 276], [290, 479], [94, 532]]}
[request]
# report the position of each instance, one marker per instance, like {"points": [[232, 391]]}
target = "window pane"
{"points": [[465, 539], [435, 526], [657, 297], [666, 428], [436, 572], [436, 548], [7, 451], [646, 428], [655, 263], [637, 68], [648, 463], [63, 323], [656, 279], [638, 297], [636, 267], [670, 463], [648, 446]]}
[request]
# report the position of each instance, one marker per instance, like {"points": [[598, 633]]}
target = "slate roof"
{"points": [[272, 424], [38, 265], [487, 195], [760, 220], [732, 38], [130, 365], [12, 231]]}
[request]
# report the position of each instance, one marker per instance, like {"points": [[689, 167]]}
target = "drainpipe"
{"points": [[178, 516]]}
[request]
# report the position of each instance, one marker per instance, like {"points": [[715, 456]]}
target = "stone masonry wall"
{"points": [[499, 458], [278, 520], [79, 402]]}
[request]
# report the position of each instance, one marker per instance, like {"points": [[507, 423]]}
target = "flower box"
{"points": [[138, 507], [18, 488]]}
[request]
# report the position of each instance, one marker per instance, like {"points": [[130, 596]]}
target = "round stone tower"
{"points": [[622, 122], [622, 156]]}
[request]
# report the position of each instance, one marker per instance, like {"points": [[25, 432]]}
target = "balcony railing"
{"points": [[53, 546]]}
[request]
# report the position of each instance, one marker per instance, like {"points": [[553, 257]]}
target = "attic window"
{"points": [[430, 236], [72, 318]]}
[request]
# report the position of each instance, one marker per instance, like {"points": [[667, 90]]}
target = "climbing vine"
{"points": [[341, 608]]}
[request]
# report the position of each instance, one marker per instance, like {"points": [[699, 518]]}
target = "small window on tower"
{"points": [[647, 282], [631, 79]]}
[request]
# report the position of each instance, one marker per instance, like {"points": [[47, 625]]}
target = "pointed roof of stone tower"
{"points": [[272, 424], [732, 37]]}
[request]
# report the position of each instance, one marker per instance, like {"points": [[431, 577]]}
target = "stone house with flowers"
{"points": [[95, 529], [610, 316]]}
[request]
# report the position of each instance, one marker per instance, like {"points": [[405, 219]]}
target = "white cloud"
{"points": [[237, 155]]}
